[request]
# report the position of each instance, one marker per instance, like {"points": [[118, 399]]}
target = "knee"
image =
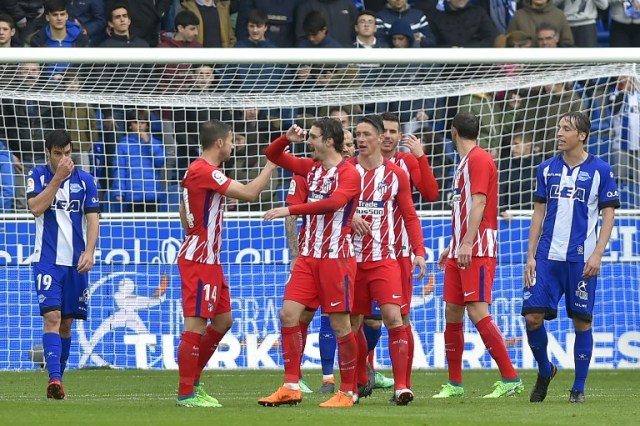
{"points": [[288, 318], [453, 312], [534, 321], [52, 321]]}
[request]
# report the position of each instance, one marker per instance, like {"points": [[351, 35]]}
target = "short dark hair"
{"points": [[137, 115], [211, 131], [546, 26], [58, 138], [467, 125], [258, 17], [313, 23], [366, 12], [338, 109], [117, 6], [331, 128], [51, 6], [8, 19], [375, 120], [184, 18], [580, 120], [389, 116]]}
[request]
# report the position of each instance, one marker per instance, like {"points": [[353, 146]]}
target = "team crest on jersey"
{"points": [[327, 184], [581, 292], [383, 187], [583, 176], [292, 187], [456, 196], [219, 177], [75, 188], [31, 184]]}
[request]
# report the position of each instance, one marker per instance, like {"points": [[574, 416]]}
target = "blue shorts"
{"points": [[61, 288], [555, 278]]}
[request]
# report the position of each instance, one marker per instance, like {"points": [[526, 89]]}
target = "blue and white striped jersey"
{"points": [[61, 230], [574, 198]]}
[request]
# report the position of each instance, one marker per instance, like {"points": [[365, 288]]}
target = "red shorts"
{"points": [[406, 278], [378, 280], [472, 284], [327, 283], [205, 292]]}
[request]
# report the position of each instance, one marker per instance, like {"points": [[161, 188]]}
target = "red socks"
{"points": [[208, 345], [454, 346], [493, 340], [291, 353], [398, 348], [347, 354], [188, 355], [410, 349]]}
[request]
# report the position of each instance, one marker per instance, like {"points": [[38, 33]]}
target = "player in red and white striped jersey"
{"points": [[384, 186], [470, 260], [205, 294], [416, 166], [324, 273]]}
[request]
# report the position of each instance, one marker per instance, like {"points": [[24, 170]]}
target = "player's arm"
{"points": [[251, 191], [39, 203], [478, 204], [592, 267], [291, 228], [348, 189], [419, 170], [411, 222], [183, 216], [535, 230], [87, 259], [277, 152]]}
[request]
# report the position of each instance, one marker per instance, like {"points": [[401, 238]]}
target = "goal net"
{"points": [[134, 117]]}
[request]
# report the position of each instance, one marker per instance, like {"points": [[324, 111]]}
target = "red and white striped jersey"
{"points": [[203, 189], [382, 189], [328, 235], [476, 174]]}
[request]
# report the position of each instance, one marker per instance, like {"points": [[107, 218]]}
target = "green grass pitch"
{"points": [[137, 397]]}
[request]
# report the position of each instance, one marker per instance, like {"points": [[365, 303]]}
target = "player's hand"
{"points": [[592, 267], [414, 144], [464, 256], [65, 167], [360, 226], [296, 134], [85, 263], [530, 273], [421, 264], [442, 260], [276, 213]]}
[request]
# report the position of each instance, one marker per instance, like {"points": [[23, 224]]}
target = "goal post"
{"points": [[104, 96]]}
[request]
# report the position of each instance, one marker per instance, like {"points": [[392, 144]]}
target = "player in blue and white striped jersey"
{"points": [[64, 201], [565, 250]]}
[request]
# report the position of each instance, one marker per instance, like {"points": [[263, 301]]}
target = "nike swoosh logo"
{"points": [[402, 306], [468, 294], [335, 304], [396, 296]]}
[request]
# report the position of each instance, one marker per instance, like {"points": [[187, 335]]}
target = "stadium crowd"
{"points": [[140, 155]]}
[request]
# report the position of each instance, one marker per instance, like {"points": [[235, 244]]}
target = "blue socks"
{"points": [[64, 356], [372, 335], [52, 348], [582, 350], [538, 342], [327, 343]]}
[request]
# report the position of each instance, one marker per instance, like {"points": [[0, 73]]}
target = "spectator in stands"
{"points": [[625, 23], [339, 16], [316, 32], [366, 31], [215, 22], [175, 77], [145, 18], [81, 123], [534, 13], [500, 11], [400, 35], [27, 14], [7, 183], [257, 27], [461, 24], [280, 20], [59, 32], [25, 123], [90, 15], [625, 129], [582, 16], [518, 39], [400, 10], [7, 31], [547, 35], [442, 162], [342, 115], [119, 25], [518, 174], [140, 158], [251, 137]]}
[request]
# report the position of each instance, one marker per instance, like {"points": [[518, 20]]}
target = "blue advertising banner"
{"points": [[135, 315]]}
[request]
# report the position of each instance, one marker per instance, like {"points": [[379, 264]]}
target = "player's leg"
{"points": [[75, 300], [347, 354], [540, 302], [477, 285], [453, 332], [362, 303], [580, 297], [66, 325], [372, 328], [305, 319], [328, 344], [209, 343], [406, 275]]}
